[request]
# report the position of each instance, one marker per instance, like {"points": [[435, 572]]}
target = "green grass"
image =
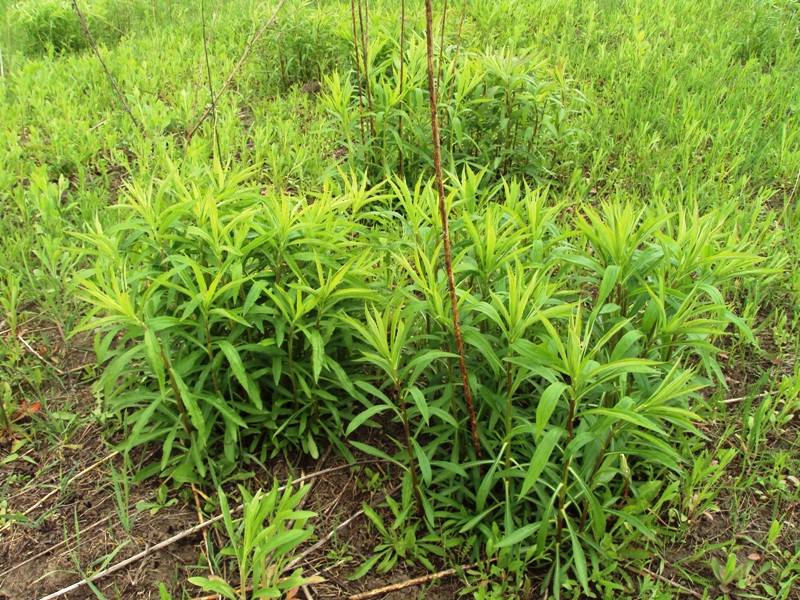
{"points": [[622, 178]]}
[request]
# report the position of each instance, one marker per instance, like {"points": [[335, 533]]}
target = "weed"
{"points": [[261, 542], [504, 112]]}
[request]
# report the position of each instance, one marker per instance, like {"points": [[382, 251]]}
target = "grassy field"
{"points": [[228, 352]]}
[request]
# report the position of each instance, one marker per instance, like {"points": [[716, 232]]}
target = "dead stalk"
{"points": [[409, 583], [199, 527], [364, 21], [358, 75], [448, 261], [210, 81], [105, 68], [402, 84], [236, 68]]}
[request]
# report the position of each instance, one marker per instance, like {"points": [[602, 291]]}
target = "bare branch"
{"points": [[105, 68], [448, 260], [238, 66]]}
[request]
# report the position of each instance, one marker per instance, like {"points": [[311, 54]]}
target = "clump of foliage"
{"points": [[227, 307], [261, 542], [308, 46], [233, 322], [236, 325], [502, 110], [53, 26]]}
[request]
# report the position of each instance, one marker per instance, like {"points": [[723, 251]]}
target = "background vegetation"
{"points": [[220, 302]]}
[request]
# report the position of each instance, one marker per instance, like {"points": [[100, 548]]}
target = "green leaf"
{"points": [[235, 361], [540, 457], [634, 521], [627, 415], [163, 594], [367, 449], [518, 535], [624, 344], [421, 403], [214, 585], [610, 278], [364, 416], [547, 404], [227, 413], [157, 324], [365, 568], [424, 463], [580, 558], [229, 315], [487, 484], [317, 354]]}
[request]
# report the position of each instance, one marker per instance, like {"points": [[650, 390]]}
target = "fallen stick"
{"points": [[409, 583], [39, 356], [296, 560], [741, 398], [186, 533], [238, 66], [667, 580]]}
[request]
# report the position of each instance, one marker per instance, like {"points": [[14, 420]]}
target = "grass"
{"points": [[621, 180]]}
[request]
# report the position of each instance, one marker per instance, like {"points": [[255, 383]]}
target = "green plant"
{"points": [[402, 540], [732, 576], [161, 501], [664, 251], [502, 111], [261, 542], [52, 26], [252, 281], [501, 575], [121, 483]]}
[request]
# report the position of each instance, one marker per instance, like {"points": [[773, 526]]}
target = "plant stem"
{"points": [[365, 57], [358, 75], [291, 365], [210, 353], [448, 261], [412, 463], [210, 83], [562, 496], [509, 408], [402, 85], [596, 468], [175, 390]]}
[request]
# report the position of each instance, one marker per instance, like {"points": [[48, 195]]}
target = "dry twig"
{"points": [[236, 68], [742, 398], [39, 356], [105, 68], [448, 260], [408, 583]]}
